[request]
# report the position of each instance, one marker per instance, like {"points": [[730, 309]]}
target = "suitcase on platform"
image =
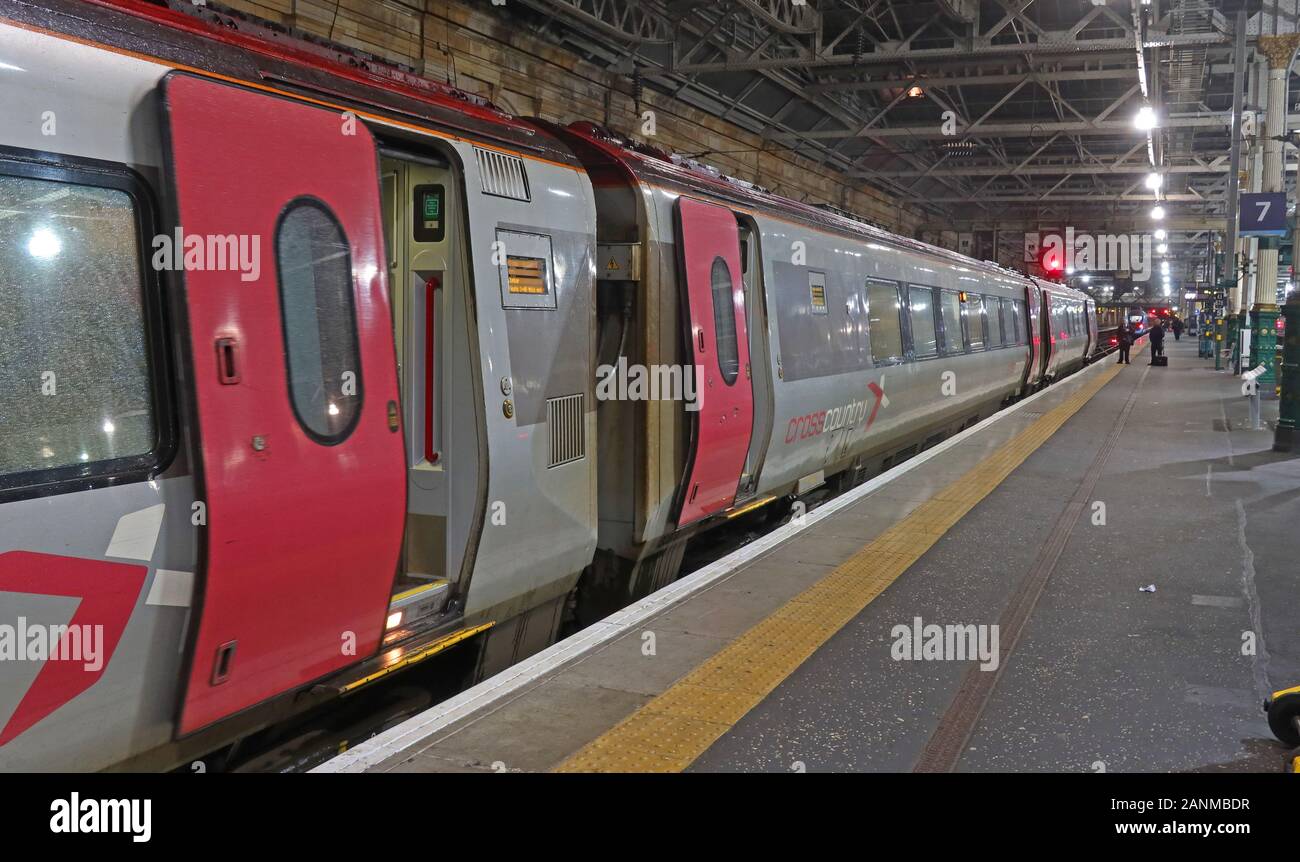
{"points": [[1160, 360]]}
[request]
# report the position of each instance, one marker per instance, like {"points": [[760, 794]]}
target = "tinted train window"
{"points": [[883, 321], [724, 321], [73, 352], [994, 309], [1010, 325], [920, 306], [320, 334], [1022, 321], [973, 309], [951, 311]]}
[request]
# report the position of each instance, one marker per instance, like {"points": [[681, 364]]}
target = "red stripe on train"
{"points": [[108, 593]]}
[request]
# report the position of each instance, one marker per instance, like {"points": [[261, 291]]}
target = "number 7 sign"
{"points": [[1263, 214]]}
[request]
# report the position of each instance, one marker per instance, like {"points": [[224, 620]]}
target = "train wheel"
{"points": [[1282, 715]]}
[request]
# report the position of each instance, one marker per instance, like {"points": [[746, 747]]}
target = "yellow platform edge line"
{"points": [[669, 732]]}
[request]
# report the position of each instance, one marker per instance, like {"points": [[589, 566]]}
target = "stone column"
{"points": [[1280, 52]]}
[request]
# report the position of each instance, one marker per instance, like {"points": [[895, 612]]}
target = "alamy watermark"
{"points": [[74, 815], [240, 253], [933, 642], [631, 382], [1070, 250], [36, 642]]}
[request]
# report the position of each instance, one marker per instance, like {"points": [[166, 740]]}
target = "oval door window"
{"points": [[724, 321], [314, 263]]}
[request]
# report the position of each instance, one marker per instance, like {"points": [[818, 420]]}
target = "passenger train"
{"points": [[307, 366]]}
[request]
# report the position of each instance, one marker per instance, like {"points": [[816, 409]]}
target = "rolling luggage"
{"points": [[1160, 360]]}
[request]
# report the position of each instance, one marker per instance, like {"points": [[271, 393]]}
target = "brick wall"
{"points": [[472, 45]]}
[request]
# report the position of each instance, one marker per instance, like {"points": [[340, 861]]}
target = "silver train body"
{"points": [[233, 536]]}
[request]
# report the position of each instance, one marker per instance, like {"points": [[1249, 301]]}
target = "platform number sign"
{"points": [[1263, 214]]}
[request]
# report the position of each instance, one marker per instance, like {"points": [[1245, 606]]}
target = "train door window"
{"points": [[724, 321], [314, 263], [884, 322], [1022, 320], [973, 310], [77, 400], [920, 309], [950, 314], [994, 309]]}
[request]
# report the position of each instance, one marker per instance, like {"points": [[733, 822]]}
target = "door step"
{"points": [[398, 658], [414, 609]]}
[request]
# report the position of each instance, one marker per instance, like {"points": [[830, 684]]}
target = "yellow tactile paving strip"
{"points": [[672, 730]]}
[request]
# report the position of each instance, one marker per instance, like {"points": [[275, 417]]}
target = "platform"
{"points": [[784, 656]]}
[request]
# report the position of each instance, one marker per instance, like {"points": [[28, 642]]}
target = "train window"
{"points": [[1010, 324], [884, 321], [950, 313], [920, 306], [994, 309], [314, 263], [1022, 321], [973, 311], [724, 321], [77, 398]]}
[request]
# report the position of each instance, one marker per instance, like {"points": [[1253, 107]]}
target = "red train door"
{"points": [[295, 390], [709, 240]]}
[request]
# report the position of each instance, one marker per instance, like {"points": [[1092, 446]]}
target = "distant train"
{"points": [[1112, 316], [314, 369]]}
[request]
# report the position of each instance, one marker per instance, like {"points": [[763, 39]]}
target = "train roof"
{"points": [[203, 40], [654, 166], [1060, 289], [200, 39]]}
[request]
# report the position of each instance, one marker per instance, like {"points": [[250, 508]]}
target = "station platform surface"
{"points": [[1045, 520]]}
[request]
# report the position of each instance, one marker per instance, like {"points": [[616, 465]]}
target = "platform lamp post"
{"points": [[1285, 438], [1233, 321], [1228, 272]]}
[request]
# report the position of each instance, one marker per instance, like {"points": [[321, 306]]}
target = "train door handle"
{"points": [[223, 662], [699, 334], [227, 361]]}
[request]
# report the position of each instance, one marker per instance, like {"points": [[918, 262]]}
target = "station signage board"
{"points": [[1262, 214]]}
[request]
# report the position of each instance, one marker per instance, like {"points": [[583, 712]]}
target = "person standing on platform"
{"points": [[1157, 341], [1178, 328], [1125, 342]]}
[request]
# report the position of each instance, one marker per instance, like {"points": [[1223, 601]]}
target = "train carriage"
{"points": [[304, 369], [821, 319]]}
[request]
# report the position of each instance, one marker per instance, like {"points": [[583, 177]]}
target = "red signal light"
{"points": [[1051, 262]]}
